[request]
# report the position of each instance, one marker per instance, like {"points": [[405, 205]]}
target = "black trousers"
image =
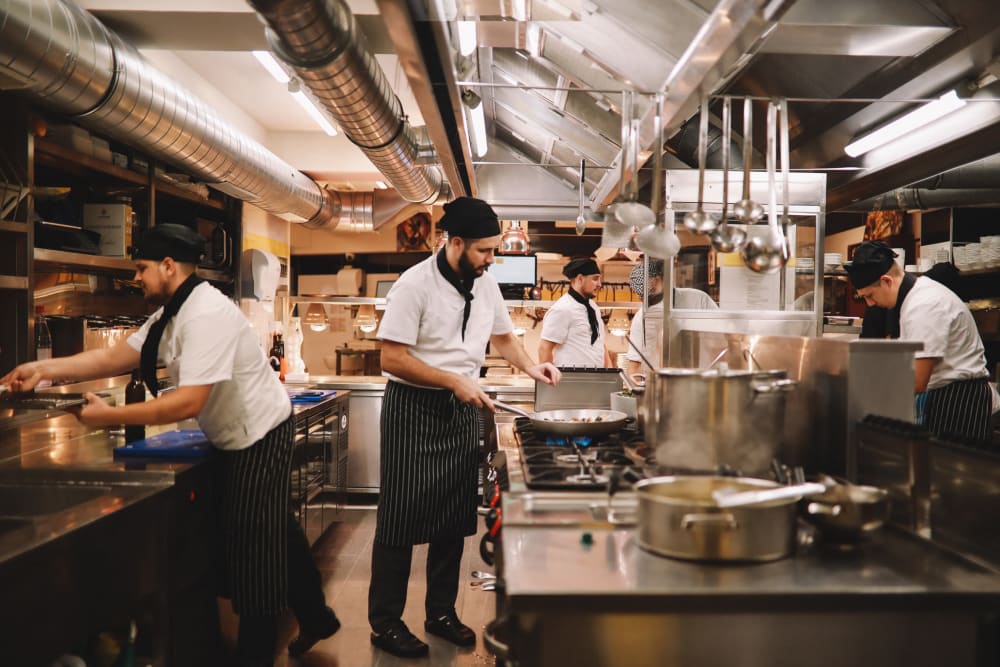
{"points": [[391, 575]]}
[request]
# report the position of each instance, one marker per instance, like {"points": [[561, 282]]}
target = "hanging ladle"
{"points": [[615, 234], [769, 252], [581, 224], [747, 210], [698, 220], [632, 213], [726, 238], [658, 239]]}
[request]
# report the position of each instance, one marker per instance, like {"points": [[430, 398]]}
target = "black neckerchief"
{"points": [[151, 346], [591, 315], [892, 315], [464, 287]]}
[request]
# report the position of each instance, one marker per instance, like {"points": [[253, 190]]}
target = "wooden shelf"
{"points": [[13, 282], [171, 190], [82, 261], [11, 226], [65, 159]]}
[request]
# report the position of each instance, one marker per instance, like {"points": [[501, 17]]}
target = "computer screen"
{"points": [[382, 288], [515, 269]]}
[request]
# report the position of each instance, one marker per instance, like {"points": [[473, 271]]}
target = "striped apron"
{"points": [[254, 488], [429, 467], [962, 409]]}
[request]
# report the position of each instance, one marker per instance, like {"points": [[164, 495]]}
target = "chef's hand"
{"points": [[544, 372], [96, 412], [23, 378], [468, 390]]}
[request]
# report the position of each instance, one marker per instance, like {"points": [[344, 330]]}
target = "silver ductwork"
{"points": [[974, 184], [321, 41], [67, 60]]}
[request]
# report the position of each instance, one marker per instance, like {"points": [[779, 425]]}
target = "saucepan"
{"points": [[571, 423], [847, 512]]}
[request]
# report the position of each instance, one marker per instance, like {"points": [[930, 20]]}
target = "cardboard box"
{"points": [[114, 223]]}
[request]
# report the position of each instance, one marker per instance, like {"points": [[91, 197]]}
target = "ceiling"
{"points": [[550, 73]]}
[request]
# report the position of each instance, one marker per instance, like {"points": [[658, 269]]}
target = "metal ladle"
{"points": [[769, 252], [581, 224], [615, 234], [747, 210], [698, 220], [632, 213], [725, 238], [658, 239]]}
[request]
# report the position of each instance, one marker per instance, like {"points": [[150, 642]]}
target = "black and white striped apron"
{"points": [[960, 409], [429, 467], [254, 495]]}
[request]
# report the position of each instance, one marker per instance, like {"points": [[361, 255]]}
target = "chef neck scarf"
{"points": [[591, 315], [892, 315], [151, 346], [464, 287]]}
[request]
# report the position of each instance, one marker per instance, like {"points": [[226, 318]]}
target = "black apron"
{"points": [[959, 410], [429, 466]]}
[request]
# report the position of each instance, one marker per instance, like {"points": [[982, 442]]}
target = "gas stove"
{"points": [[577, 463]]}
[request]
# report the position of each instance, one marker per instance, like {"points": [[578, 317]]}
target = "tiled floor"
{"points": [[344, 557]]}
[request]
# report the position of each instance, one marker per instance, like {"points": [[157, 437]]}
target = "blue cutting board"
{"points": [[306, 396], [187, 445]]}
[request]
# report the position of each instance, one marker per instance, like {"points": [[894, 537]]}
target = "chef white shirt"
{"points": [[209, 342], [933, 315], [424, 311], [650, 329], [566, 325]]}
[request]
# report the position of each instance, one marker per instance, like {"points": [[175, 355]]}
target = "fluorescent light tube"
{"points": [[314, 113], [380, 185], [519, 9], [467, 37], [533, 39], [928, 113], [272, 66], [477, 121]]}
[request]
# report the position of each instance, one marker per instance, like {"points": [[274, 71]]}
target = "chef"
{"points": [[951, 380], [648, 330], [572, 330], [222, 379], [438, 319]]}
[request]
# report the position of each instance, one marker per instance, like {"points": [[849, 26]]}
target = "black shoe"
{"points": [[398, 640], [450, 628], [306, 640]]}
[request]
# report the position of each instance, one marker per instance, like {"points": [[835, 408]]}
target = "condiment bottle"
{"points": [[135, 392]]}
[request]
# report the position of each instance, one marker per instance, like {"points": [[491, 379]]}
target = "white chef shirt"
{"points": [[933, 315], [650, 328], [567, 326], [424, 311], [209, 341]]}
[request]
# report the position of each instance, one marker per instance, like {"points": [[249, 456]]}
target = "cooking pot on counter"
{"points": [[679, 517], [701, 420]]}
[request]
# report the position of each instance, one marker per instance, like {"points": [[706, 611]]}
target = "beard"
{"points": [[467, 270], [155, 298]]}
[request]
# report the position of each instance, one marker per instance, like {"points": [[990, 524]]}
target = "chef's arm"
{"points": [[546, 351], [922, 372], [513, 351], [396, 359], [182, 403], [607, 357], [83, 366]]}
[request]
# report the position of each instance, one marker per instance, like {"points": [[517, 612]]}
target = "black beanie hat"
{"points": [[581, 266], [178, 242], [469, 218], [872, 260]]}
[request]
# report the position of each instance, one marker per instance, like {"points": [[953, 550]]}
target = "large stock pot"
{"points": [[700, 420]]}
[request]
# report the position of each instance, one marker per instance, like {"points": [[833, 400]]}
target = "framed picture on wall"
{"points": [[414, 234]]}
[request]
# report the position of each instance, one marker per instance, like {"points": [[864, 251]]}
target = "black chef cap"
{"points": [[178, 242], [469, 218], [585, 266], [872, 260]]}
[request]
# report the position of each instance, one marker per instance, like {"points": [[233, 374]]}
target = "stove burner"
{"points": [[575, 459], [588, 479], [579, 441]]}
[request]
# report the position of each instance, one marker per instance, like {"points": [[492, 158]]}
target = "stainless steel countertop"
{"points": [[508, 384]]}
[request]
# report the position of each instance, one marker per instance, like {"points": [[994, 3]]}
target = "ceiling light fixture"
{"points": [[618, 323], [477, 122], [380, 185], [272, 66], [295, 89], [928, 113], [519, 9], [366, 320], [467, 37], [316, 317], [533, 40]]}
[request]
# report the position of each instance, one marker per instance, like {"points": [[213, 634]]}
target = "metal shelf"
{"points": [[83, 261]]}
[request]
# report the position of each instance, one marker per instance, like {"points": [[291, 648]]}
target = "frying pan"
{"points": [[570, 423]]}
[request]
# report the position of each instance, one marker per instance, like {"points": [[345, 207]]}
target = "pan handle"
{"points": [[723, 520], [511, 408]]}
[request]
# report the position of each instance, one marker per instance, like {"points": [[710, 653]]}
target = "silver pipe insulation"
{"points": [[320, 40]]}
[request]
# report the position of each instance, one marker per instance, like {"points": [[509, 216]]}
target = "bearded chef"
{"points": [[572, 330]]}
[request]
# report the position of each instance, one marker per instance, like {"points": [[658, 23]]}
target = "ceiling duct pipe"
{"points": [[67, 60], [919, 199], [321, 41]]}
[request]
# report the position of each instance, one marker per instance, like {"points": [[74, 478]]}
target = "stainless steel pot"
{"points": [[700, 420], [678, 517]]}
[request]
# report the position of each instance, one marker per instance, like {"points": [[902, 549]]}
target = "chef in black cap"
{"points": [[951, 383], [439, 317], [223, 379], [572, 330]]}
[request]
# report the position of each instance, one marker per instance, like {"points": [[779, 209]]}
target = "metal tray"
{"points": [[32, 401]]}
